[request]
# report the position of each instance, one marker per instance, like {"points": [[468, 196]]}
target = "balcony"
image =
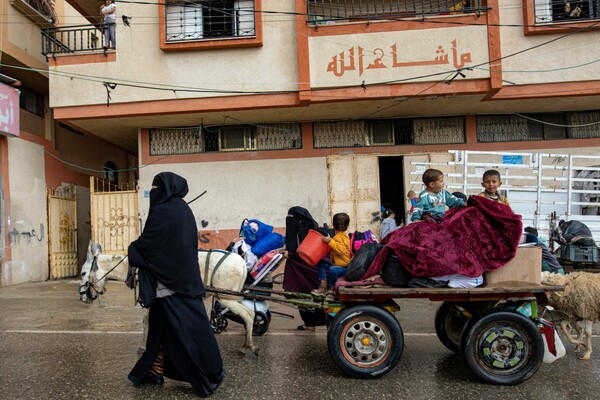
{"points": [[72, 40], [41, 12], [326, 12]]}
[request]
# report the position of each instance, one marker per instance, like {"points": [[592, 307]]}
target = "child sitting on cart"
{"points": [[491, 182], [432, 202], [339, 255]]}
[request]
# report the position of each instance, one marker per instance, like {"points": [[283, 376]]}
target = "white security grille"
{"points": [[196, 140], [390, 132]]}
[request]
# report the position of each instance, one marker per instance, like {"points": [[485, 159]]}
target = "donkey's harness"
{"points": [[207, 263]]}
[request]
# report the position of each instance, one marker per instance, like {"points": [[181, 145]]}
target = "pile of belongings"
{"points": [[469, 240], [258, 240]]}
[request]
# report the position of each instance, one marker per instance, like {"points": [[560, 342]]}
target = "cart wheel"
{"points": [[219, 324], [261, 324], [365, 341], [502, 347], [449, 325]]}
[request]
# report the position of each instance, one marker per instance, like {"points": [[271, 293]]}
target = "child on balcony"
{"points": [[109, 24]]}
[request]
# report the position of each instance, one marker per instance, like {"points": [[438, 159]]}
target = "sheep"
{"points": [[580, 300]]}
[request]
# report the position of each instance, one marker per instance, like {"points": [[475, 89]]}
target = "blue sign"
{"points": [[512, 159]]}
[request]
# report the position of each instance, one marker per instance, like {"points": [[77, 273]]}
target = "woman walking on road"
{"points": [[181, 344]]}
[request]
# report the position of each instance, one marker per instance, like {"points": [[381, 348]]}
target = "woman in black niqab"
{"points": [[181, 344]]}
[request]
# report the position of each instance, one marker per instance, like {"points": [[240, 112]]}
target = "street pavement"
{"points": [[52, 346]]}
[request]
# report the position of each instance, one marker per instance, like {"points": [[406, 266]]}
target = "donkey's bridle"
{"points": [[88, 287]]}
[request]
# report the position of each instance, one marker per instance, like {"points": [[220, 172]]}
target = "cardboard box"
{"points": [[523, 270]]}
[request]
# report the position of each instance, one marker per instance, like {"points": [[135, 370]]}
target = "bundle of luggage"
{"points": [[453, 253], [577, 246]]}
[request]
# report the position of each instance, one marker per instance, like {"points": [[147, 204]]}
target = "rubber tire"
{"points": [[526, 347], [261, 324], [449, 325], [369, 323]]}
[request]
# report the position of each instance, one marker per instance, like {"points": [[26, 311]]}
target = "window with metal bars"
{"points": [[391, 132], [549, 11], [196, 140], [189, 20], [31, 101], [514, 128], [332, 11], [583, 125]]}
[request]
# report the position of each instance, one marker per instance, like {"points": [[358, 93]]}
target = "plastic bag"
{"points": [[393, 273], [362, 261]]}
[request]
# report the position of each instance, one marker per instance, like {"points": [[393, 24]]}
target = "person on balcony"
{"points": [[109, 24]]}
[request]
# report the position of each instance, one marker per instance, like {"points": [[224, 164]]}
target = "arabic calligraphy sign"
{"points": [[9, 110], [396, 56]]}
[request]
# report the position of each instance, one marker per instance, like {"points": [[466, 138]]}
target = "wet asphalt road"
{"points": [[54, 347]]}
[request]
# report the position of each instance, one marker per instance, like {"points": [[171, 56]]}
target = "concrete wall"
{"points": [[263, 190], [90, 152], [67, 15], [29, 261], [563, 56], [23, 37], [274, 65]]}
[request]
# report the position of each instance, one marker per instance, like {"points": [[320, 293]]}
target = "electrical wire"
{"points": [[447, 73], [175, 88], [102, 171], [557, 125], [419, 18]]}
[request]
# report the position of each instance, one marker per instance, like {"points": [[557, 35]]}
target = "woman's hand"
{"points": [[326, 239]]}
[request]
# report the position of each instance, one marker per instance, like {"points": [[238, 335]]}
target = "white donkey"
{"points": [[219, 269], [98, 266]]}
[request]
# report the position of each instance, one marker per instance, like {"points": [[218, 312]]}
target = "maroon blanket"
{"points": [[470, 240]]}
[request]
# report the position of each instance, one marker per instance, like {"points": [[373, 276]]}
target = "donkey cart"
{"points": [[496, 331]]}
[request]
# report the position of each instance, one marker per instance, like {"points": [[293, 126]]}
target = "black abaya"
{"points": [[299, 277], [180, 327], [167, 252]]}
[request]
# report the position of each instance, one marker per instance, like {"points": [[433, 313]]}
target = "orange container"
{"points": [[312, 248]]}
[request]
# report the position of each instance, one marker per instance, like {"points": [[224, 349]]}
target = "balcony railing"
{"points": [[324, 12], [72, 39]]}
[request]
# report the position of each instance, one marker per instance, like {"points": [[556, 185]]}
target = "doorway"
{"points": [[391, 185]]}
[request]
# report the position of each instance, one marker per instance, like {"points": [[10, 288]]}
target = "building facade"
{"points": [[268, 104], [38, 153]]}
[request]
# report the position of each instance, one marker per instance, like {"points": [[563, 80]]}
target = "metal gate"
{"points": [[541, 187], [114, 215], [354, 189], [62, 232]]}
